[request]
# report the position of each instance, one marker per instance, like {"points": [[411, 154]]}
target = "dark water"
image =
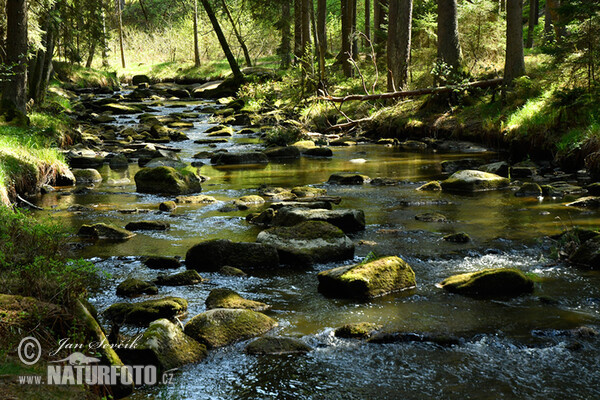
{"points": [[509, 349]]}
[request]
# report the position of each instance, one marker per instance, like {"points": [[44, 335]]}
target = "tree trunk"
{"points": [[553, 6], [379, 22], [448, 49], [306, 4], [90, 59], [14, 91], [196, 46], [104, 42], [36, 62], [536, 13], [235, 69], [298, 28], [398, 43], [284, 48], [354, 37], [319, 48], [368, 19], [346, 38], [531, 24], [322, 24], [514, 66], [120, 23], [237, 35]]}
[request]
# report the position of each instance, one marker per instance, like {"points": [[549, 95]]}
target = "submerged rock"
{"points": [[227, 298], [213, 254], [431, 217], [404, 337], [359, 330], [164, 345], [232, 271], [318, 152], [146, 311], [489, 283], [239, 158], [132, 287], [158, 262], [586, 202], [148, 226], [104, 231], [348, 178], [529, 189], [587, 254], [220, 327], [460, 237], [189, 277], [167, 180], [473, 181], [277, 346], [199, 199], [308, 243], [372, 279], [432, 186], [346, 219], [167, 206]]}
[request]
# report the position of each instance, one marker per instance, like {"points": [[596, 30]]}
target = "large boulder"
{"points": [[308, 243], [272, 345], [529, 189], [164, 345], [167, 180], [227, 298], [282, 153], [88, 175], [371, 279], [211, 255], [473, 181], [160, 262], [104, 231], [132, 287], [146, 311], [222, 326], [499, 282], [348, 178], [239, 158], [346, 219], [189, 277]]}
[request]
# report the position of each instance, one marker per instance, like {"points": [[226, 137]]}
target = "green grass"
{"points": [[85, 77]]}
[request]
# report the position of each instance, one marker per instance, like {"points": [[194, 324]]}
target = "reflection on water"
{"points": [[499, 356]]}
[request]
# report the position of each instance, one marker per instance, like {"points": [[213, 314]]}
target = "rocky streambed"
{"points": [[367, 269]]}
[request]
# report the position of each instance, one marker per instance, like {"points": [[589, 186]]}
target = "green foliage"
{"points": [[34, 260], [283, 135]]}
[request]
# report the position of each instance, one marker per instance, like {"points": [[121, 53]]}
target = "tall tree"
{"points": [[306, 5], [238, 35], [41, 63], [448, 49], [322, 24], [298, 29], [368, 19], [196, 46], [120, 23], [533, 7], [514, 66], [284, 25], [14, 91], [380, 13], [235, 69], [346, 37], [398, 43]]}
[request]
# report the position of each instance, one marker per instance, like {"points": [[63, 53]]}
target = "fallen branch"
{"points": [[346, 125], [413, 93], [28, 204]]}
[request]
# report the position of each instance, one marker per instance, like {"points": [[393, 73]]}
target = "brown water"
{"points": [[510, 349]]}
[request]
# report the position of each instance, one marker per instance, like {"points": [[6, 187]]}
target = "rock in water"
{"points": [[165, 345], [227, 298], [211, 255], [432, 186], [282, 153], [189, 277], [586, 202], [104, 231], [360, 330], [529, 189], [499, 282], [346, 219], [473, 181], [372, 279], [158, 262], [146, 311], [308, 243], [167, 180], [132, 287], [239, 158], [148, 226], [221, 326], [348, 178], [277, 346], [89, 175], [588, 253]]}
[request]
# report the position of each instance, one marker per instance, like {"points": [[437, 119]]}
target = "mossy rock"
{"points": [[529, 189], [499, 282], [276, 193], [221, 326], [318, 152], [372, 279], [104, 231], [146, 311], [432, 186], [148, 226], [118, 109], [586, 202], [473, 181], [587, 254], [185, 278], [244, 202], [431, 217], [132, 287], [348, 178], [158, 262], [232, 271], [359, 330], [199, 199], [167, 206], [304, 144], [211, 255], [88, 175], [239, 158], [262, 218], [271, 345], [498, 168], [227, 298], [347, 220], [281, 153], [167, 180], [308, 243], [164, 345], [307, 191], [225, 131], [460, 237]]}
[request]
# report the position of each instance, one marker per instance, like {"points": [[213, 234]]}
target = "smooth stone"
{"points": [[348, 178], [211, 255], [347, 220], [473, 181]]}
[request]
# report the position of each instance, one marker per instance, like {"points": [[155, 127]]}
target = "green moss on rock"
{"points": [[211, 255], [167, 180], [189, 277], [132, 287], [146, 311], [227, 298], [359, 330], [473, 181], [277, 346], [104, 231], [432, 186], [499, 282]]}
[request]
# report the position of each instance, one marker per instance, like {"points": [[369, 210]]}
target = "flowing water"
{"points": [[509, 349]]}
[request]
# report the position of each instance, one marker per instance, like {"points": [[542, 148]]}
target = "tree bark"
{"points": [[553, 6], [368, 19], [398, 43], [120, 23], [514, 66], [322, 24], [531, 23], [104, 42], [196, 46], [298, 28], [92, 51], [448, 49], [379, 22], [306, 4], [237, 35], [354, 37], [346, 37], [284, 48], [235, 69], [14, 91]]}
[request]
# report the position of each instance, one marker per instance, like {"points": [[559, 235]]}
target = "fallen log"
{"points": [[413, 93]]}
